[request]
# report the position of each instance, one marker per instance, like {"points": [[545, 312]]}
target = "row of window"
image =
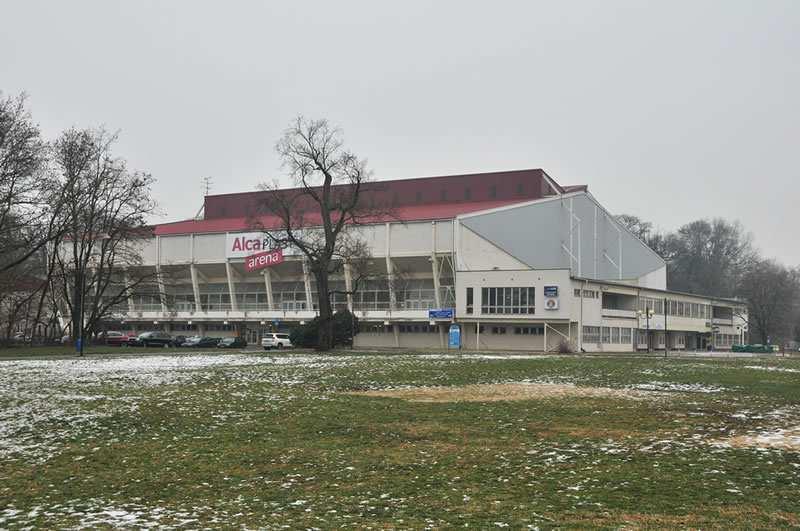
{"points": [[418, 328], [587, 293], [508, 301], [404, 328], [725, 340], [675, 308], [535, 330], [611, 335]]}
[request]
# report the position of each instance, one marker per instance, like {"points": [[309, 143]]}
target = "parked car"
{"points": [[201, 342], [177, 341], [151, 339], [190, 341], [232, 342], [275, 340], [116, 339]]}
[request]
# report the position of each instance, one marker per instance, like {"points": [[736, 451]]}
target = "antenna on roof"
{"points": [[205, 183]]}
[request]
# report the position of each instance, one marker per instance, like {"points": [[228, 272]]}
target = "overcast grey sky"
{"points": [[668, 110]]}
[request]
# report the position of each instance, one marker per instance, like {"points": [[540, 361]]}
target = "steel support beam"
{"points": [[268, 287], [348, 285], [307, 285], [229, 272], [195, 288]]}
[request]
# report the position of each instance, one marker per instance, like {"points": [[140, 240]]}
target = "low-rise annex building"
{"points": [[517, 260]]}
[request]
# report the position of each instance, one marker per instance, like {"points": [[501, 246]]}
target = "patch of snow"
{"points": [[772, 369], [677, 387]]}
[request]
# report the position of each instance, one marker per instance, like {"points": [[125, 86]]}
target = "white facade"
{"points": [[492, 267]]}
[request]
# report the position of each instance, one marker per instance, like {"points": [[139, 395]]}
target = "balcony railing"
{"points": [[617, 312]]}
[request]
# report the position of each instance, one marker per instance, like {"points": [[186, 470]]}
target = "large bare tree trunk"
{"points": [[325, 330]]}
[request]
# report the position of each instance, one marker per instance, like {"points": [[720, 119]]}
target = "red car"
{"points": [[117, 339]]}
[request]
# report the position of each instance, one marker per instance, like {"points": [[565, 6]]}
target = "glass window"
{"points": [[591, 334], [507, 300]]}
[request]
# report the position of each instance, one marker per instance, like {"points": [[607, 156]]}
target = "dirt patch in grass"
{"points": [[782, 439], [504, 392], [714, 518]]}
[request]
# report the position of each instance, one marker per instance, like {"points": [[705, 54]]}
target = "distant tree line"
{"points": [[718, 258]]}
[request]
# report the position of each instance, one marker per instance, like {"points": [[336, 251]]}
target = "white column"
{"points": [[545, 337], [478, 335], [268, 286], [307, 284], [348, 285], [390, 268], [396, 330], [127, 280], [231, 287], [162, 292], [390, 283], [195, 288], [435, 267]]}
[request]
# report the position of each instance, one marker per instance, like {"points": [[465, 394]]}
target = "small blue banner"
{"points": [[454, 336], [444, 313], [551, 291]]}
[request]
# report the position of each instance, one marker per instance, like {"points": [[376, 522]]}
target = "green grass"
{"points": [[276, 444], [66, 351]]}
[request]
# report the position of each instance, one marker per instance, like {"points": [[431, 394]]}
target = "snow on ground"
{"points": [[677, 387], [44, 402], [94, 513], [773, 369]]}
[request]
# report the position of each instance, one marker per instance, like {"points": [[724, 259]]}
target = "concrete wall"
{"points": [[475, 253], [524, 278], [406, 239]]}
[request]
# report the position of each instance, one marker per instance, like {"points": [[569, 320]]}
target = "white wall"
{"points": [[175, 249], [656, 279], [477, 254], [504, 279]]}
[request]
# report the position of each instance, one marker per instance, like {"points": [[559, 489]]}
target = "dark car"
{"points": [[152, 339], [178, 341], [232, 342], [116, 339], [201, 342], [190, 341]]}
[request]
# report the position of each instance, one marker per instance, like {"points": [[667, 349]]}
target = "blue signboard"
{"points": [[454, 336], [551, 291], [445, 313]]}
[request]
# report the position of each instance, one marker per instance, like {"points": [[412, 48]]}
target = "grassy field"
{"points": [[68, 351], [303, 441]]}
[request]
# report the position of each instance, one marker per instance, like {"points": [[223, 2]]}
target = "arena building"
{"points": [[515, 259]]}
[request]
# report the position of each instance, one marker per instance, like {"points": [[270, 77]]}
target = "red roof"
{"points": [[417, 199], [408, 213]]}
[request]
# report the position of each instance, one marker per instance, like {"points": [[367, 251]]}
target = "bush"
{"points": [[564, 347], [345, 326]]}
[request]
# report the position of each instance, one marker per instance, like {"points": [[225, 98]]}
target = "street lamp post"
{"points": [[647, 314]]}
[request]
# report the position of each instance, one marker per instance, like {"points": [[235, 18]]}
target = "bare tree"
{"points": [[97, 259], [29, 214], [320, 217], [771, 291]]}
